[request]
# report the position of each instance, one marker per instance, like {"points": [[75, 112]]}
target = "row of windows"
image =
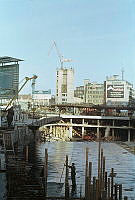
{"points": [[95, 101], [95, 96], [95, 88], [64, 99], [95, 92]]}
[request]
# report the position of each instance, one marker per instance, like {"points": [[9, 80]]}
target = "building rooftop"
{"points": [[7, 59]]}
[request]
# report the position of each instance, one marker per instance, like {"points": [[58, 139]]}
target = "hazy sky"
{"points": [[98, 35]]}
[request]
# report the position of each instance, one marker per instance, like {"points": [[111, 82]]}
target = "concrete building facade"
{"points": [[93, 93], [65, 85], [42, 98], [79, 92], [118, 92]]}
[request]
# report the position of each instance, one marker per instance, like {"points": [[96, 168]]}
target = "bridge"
{"points": [[90, 109], [115, 128], [22, 131]]}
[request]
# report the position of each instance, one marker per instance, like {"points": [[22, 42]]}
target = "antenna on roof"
{"points": [[122, 74]]}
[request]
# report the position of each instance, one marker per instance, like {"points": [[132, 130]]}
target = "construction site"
{"points": [[27, 170]]}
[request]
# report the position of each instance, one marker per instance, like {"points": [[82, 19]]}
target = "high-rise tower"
{"points": [[65, 85]]}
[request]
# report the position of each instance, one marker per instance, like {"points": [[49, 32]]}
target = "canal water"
{"points": [[121, 160], [2, 177]]}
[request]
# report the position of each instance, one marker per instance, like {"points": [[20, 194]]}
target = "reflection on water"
{"points": [[122, 161]]}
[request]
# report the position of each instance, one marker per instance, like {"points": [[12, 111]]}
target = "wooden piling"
{"points": [[112, 174], [101, 164], [103, 195], [108, 191], [86, 175], [45, 173], [27, 153], [115, 188], [89, 180], [94, 188], [101, 183], [120, 192], [66, 180], [125, 198], [103, 169], [105, 182], [98, 189], [90, 171]]}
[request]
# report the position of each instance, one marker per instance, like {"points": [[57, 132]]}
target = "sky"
{"points": [[98, 35]]}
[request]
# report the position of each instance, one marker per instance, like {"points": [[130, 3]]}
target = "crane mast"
{"points": [[15, 96], [61, 58]]}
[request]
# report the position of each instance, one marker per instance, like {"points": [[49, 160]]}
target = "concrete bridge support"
{"points": [[113, 135], [70, 132], [98, 129], [82, 128], [70, 129], [82, 132], [50, 129], [129, 135]]}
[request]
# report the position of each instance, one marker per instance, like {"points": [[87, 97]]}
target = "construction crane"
{"points": [[61, 58], [33, 84], [15, 96]]}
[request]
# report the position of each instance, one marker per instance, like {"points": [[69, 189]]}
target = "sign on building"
{"points": [[115, 91]]}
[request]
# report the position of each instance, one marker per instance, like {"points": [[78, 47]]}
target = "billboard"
{"points": [[115, 91], [9, 81]]}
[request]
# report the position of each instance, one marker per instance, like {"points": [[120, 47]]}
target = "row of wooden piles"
{"points": [[103, 186], [96, 188]]}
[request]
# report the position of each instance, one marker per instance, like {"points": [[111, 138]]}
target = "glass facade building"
{"points": [[9, 80]]}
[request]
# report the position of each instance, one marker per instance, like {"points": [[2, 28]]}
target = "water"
{"points": [[121, 160], [2, 178]]}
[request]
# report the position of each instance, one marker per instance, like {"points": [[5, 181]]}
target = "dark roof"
{"points": [[7, 59]]}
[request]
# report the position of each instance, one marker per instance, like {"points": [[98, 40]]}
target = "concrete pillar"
{"points": [[98, 129], [128, 135], [113, 131], [74, 112], [50, 129], [82, 121], [55, 131], [82, 128], [113, 134], [82, 131], [70, 129], [129, 132], [70, 132], [61, 131]]}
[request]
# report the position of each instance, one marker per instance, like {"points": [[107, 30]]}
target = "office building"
{"points": [[93, 92]]}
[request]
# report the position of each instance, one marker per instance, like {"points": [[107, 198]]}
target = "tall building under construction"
{"points": [[65, 85]]}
